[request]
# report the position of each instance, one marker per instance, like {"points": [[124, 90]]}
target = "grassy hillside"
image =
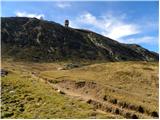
{"points": [[26, 97], [134, 84]]}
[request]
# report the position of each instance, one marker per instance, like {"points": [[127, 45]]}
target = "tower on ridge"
{"points": [[66, 23]]}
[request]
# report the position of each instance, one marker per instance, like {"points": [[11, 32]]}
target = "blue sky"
{"points": [[127, 22]]}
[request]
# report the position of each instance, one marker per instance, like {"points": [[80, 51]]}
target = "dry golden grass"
{"points": [[27, 97], [133, 82], [137, 82]]}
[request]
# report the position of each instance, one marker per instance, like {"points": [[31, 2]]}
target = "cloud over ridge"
{"points": [[31, 15], [114, 27]]}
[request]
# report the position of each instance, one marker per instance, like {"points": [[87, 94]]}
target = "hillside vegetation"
{"points": [[32, 39]]}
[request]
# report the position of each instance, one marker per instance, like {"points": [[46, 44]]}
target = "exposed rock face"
{"points": [[39, 40]]}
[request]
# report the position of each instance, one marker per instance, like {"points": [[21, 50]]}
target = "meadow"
{"points": [[91, 90]]}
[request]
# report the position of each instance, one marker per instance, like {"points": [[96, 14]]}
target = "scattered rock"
{"points": [[154, 114], [39, 99], [114, 101], [122, 104], [34, 73], [53, 81], [38, 104], [12, 91], [105, 98], [89, 101], [130, 115], [133, 107], [4, 72], [71, 66], [21, 109], [80, 84], [92, 85], [140, 109], [134, 116], [116, 111], [60, 68], [61, 92], [98, 105]]}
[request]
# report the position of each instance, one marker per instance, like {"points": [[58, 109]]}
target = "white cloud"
{"points": [[31, 15], [73, 24], [88, 18], [114, 27], [144, 40], [63, 4], [121, 30], [109, 26]]}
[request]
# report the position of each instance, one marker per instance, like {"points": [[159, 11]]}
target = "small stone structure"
{"points": [[66, 23]]}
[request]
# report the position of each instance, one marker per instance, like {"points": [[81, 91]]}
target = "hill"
{"points": [[39, 40], [52, 71]]}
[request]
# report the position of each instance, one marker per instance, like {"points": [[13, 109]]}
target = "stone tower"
{"points": [[66, 23]]}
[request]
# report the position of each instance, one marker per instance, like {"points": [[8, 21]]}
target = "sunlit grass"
{"points": [[139, 80], [25, 97]]}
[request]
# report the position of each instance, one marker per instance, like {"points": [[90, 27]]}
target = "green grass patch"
{"points": [[24, 97]]}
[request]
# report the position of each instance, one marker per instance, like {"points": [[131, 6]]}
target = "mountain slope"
{"points": [[39, 40]]}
